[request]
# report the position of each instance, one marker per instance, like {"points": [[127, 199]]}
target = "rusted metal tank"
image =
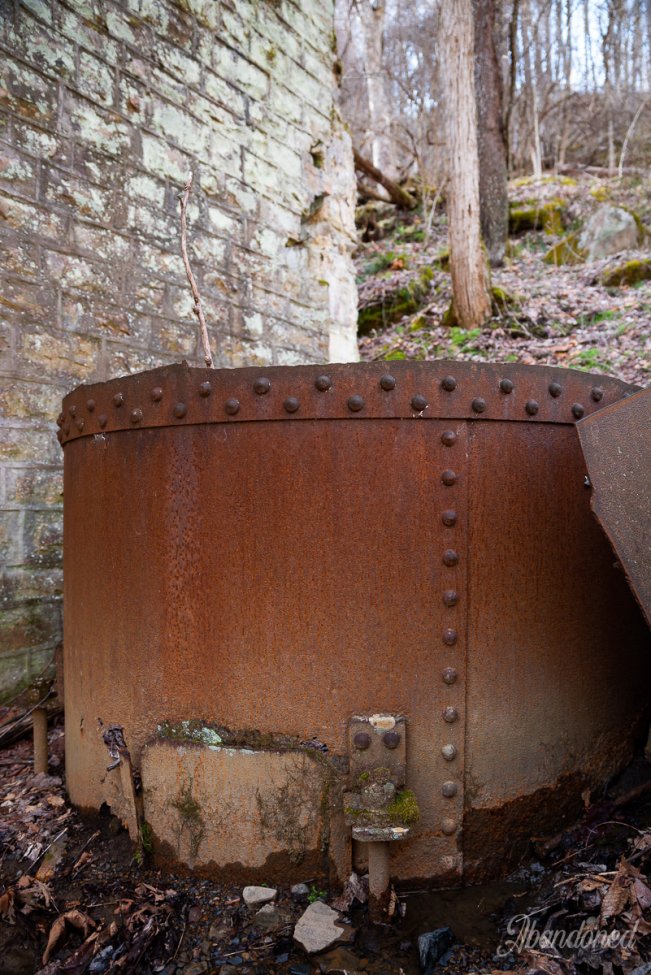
{"points": [[255, 556]]}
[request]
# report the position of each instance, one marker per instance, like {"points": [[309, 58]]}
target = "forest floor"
{"points": [[545, 315]]}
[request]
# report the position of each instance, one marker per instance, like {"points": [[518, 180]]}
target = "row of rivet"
{"points": [[355, 403], [449, 478]]}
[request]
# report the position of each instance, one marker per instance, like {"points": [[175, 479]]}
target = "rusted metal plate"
{"points": [[179, 395], [617, 448], [279, 577]]}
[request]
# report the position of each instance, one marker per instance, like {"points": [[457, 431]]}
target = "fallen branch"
{"points": [[396, 193], [197, 309]]}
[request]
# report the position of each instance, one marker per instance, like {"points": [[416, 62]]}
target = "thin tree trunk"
{"points": [[493, 190], [470, 281], [372, 19]]}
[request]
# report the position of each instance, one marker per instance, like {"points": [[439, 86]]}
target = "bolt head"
{"points": [[578, 410], [450, 715], [180, 410], [61, 417], [136, 416], [596, 394], [262, 385], [156, 394], [448, 827], [323, 383], [448, 438], [450, 597], [362, 740], [391, 739], [90, 405], [449, 637], [102, 419], [387, 383], [355, 404], [449, 383], [418, 403], [449, 478], [555, 389], [79, 423], [72, 410], [118, 399], [532, 407], [449, 675], [449, 518], [291, 404], [449, 753], [479, 405], [449, 789], [205, 389], [506, 386], [450, 557], [232, 406]]}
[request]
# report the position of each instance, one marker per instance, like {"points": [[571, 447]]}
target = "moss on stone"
{"points": [[501, 300], [566, 251], [404, 811], [547, 216], [628, 273], [394, 304]]}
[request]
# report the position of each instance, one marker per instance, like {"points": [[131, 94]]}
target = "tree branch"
{"points": [[197, 309], [396, 193]]}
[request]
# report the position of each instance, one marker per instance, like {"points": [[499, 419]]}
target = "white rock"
{"points": [[256, 896], [317, 929]]}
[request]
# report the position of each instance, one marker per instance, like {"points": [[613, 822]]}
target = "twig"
{"points": [[197, 309]]}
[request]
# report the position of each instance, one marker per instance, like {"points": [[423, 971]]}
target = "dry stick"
{"points": [[198, 310]]}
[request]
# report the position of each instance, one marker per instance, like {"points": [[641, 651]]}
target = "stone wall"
{"points": [[104, 109]]}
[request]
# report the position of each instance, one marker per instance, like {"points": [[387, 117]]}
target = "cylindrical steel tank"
{"points": [[254, 555]]}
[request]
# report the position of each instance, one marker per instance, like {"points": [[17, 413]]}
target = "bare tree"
{"points": [[372, 17], [470, 281], [493, 178]]}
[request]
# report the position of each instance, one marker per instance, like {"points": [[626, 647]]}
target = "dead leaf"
{"points": [[7, 910], [77, 919]]}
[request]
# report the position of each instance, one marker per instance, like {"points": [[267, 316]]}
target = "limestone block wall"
{"points": [[104, 109]]}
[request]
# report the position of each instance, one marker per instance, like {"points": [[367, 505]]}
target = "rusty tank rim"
{"points": [[180, 395]]}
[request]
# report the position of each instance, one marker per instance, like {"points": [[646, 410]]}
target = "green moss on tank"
{"points": [[404, 811]]}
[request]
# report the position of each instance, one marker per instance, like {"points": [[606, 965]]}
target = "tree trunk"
{"points": [[396, 193], [372, 19], [493, 190], [470, 282]]}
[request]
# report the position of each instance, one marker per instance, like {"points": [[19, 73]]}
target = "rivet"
{"points": [[449, 753], [450, 715], [80, 424], [205, 389], [66, 428], [118, 399], [449, 518], [449, 383], [90, 405], [448, 827], [532, 407], [449, 789], [391, 739], [291, 404], [596, 394], [450, 597], [450, 557], [578, 410], [449, 675], [479, 405], [136, 416], [61, 417], [362, 740], [555, 389], [72, 410], [449, 478], [60, 436], [262, 385], [323, 383], [232, 406], [355, 404], [449, 637], [506, 386], [387, 383], [418, 403], [156, 394], [102, 419], [448, 438], [180, 410]]}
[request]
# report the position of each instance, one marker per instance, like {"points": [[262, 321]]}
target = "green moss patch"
{"points": [[548, 216], [395, 304], [566, 251], [404, 810], [628, 273]]}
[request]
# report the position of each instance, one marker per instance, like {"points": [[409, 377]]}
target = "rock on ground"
{"points": [[317, 928], [609, 231], [257, 896]]}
